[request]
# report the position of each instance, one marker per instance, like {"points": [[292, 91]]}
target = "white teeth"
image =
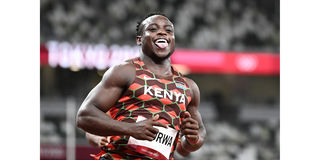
{"points": [[161, 41]]}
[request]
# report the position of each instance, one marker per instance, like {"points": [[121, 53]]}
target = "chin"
{"points": [[164, 55]]}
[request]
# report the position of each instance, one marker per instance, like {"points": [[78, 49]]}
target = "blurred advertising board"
{"points": [[100, 56]]}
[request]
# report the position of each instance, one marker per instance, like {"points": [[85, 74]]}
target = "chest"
{"points": [[164, 91]]}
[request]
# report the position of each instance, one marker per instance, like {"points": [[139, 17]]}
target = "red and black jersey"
{"points": [[147, 96]]}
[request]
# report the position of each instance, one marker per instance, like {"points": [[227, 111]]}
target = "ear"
{"points": [[139, 41]]}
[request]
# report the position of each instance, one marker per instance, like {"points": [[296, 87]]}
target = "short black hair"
{"points": [[139, 27]]}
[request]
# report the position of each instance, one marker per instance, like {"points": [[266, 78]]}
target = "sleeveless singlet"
{"points": [[147, 96]]}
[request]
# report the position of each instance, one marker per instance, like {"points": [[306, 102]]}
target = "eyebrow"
{"points": [[164, 25]]}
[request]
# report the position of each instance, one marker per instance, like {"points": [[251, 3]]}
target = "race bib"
{"points": [[160, 147]]}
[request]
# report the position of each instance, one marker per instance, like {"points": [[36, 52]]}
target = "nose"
{"points": [[162, 32]]}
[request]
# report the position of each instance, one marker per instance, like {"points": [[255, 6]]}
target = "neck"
{"points": [[161, 67], [155, 62]]}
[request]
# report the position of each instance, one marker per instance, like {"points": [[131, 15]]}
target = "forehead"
{"points": [[157, 19]]}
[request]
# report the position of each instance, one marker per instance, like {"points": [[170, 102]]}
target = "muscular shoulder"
{"points": [[193, 86], [119, 75], [195, 93]]}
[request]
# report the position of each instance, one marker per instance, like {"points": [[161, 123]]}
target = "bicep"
{"points": [[104, 97], [109, 90]]}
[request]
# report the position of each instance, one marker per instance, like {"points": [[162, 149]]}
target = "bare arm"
{"points": [[91, 116], [192, 126]]}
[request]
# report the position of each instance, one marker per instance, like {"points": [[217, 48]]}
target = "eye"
{"points": [[169, 30], [153, 29]]}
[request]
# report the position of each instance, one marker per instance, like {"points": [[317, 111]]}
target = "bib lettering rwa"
{"points": [[160, 147]]}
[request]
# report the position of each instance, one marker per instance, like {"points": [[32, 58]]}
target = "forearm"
{"points": [[96, 122], [181, 150], [185, 145]]}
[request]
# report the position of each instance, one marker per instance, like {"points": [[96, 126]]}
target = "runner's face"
{"points": [[158, 37]]}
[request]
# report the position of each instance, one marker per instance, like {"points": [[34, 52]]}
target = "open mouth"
{"points": [[161, 43]]}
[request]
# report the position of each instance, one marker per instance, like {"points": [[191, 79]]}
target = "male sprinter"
{"points": [[149, 102]]}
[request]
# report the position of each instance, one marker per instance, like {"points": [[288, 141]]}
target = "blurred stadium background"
{"points": [[230, 48]]}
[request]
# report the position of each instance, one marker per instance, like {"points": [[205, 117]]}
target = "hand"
{"points": [[144, 130], [102, 141], [190, 128]]}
